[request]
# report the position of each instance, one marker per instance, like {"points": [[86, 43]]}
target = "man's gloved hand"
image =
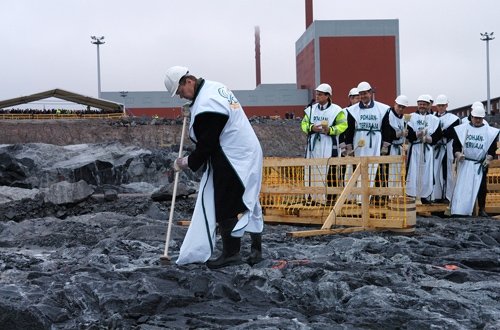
{"points": [[402, 133], [317, 128], [487, 161], [428, 139], [342, 148], [186, 110], [459, 156], [181, 164], [385, 148], [348, 150]]}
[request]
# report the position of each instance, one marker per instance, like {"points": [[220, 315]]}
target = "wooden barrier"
{"points": [[293, 192]]}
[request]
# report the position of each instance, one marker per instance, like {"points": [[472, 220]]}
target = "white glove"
{"points": [[181, 164], [401, 133], [385, 149], [317, 128], [342, 148], [348, 150], [487, 161], [186, 111], [428, 139], [459, 156]]}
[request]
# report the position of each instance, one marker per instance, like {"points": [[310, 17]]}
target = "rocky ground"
{"points": [[94, 262]]}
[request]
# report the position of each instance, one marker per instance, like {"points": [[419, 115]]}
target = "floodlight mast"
{"points": [[98, 41], [124, 95], [487, 37]]}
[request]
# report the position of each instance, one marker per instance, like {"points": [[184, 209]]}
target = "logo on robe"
{"points": [[229, 96]]}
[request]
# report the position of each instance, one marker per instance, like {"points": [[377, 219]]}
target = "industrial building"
{"points": [[340, 53]]}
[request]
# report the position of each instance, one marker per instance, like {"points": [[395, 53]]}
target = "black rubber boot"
{"points": [[230, 255], [482, 213], [256, 250]]}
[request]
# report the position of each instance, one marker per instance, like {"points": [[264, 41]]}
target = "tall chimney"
{"points": [[257, 56], [309, 13]]}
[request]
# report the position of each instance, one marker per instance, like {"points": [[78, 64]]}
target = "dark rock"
{"points": [[65, 193], [110, 195], [165, 193]]}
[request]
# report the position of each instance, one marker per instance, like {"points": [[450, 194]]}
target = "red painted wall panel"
{"points": [[346, 61], [305, 68]]}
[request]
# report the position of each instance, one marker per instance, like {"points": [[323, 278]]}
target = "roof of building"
{"points": [[64, 95]]}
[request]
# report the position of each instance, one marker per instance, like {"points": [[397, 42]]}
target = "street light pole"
{"points": [[487, 37], [124, 95], [98, 41]]}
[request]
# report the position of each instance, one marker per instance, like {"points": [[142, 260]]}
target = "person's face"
{"points": [[423, 107], [441, 108], [476, 121], [399, 108], [365, 96], [186, 89], [354, 99], [321, 98]]}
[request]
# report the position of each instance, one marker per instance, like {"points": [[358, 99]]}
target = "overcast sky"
{"points": [[46, 44]]}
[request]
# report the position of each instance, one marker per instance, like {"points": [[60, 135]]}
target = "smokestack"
{"points": [[309, 13], [257, 56]]}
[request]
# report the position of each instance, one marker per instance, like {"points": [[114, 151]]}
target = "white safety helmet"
{"points": [[402, 100], [441, 100], [172, 78], [478, 111], [353, 92], [477, 104], [424, 98], [364, 86], [430, 98], [325, 88]]}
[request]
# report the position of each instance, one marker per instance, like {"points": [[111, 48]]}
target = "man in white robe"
{"points": [[226, 145], [423, 133], [394, 146], [443, 153], [367, 120], [323, 122], [474, 157]]}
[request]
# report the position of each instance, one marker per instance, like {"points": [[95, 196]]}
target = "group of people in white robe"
{"points": [[446, 156]]}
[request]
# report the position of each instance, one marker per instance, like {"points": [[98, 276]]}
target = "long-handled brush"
{"points": [[447, 212], [361, 143], [418, 200], [165, 259]]}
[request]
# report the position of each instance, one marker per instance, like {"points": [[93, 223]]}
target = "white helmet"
{"points": [[353, 92], [402, 100], [325, 88], [441, 100], [477, 104], [430, 98], [424, 98], [478, 111], [364, 86], [172, 78]]}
